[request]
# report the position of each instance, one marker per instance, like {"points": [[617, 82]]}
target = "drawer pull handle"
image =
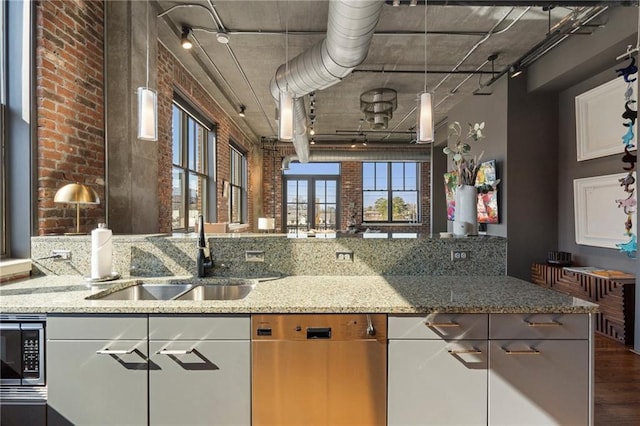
{"points": [[531, 351], [544, 324], [108, 351], [174, 351], [442, 324], [465, 351]]}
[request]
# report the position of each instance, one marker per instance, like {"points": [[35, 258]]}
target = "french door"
{"points": [[311, 202]]}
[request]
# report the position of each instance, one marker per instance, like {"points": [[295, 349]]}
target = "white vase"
{"points": [[466, 214]]}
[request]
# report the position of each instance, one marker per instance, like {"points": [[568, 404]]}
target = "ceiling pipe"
{"points": [[364, 155], [350, 28]]}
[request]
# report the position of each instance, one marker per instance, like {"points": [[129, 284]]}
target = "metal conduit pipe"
{"points": [[350, 28], [368, 155]]}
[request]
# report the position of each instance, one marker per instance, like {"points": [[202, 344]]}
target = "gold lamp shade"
{"points": [[75, 193]]}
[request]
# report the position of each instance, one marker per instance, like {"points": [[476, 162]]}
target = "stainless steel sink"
{"points": [[225, 290], [146, 291]]}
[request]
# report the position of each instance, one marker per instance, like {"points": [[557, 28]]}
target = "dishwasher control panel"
{"points": [[319, 326]]}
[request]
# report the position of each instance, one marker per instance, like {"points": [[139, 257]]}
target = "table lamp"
{"points": [[75, 193], [266, 224]]}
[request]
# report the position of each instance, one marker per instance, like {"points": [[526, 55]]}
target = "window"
{"points": [[238, 187], [390, 192], [311, 181], [193, 170], [3, 132]]}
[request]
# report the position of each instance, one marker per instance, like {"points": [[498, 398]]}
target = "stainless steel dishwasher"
{"points": [[319, 369]]}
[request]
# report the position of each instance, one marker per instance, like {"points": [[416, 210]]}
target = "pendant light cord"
{"points": [[286, 46], [425, 45], [147, 9]]}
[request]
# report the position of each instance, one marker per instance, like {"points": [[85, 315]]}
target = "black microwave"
{"points": [[22, 350]]}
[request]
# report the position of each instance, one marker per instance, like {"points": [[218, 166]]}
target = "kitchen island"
{"points": [[486, 350]]}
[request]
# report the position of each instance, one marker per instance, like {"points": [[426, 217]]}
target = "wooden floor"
{"points": [[617, 384]]}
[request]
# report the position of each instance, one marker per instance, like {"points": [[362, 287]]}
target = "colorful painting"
{"points": [[486, 183], [450, 184]]}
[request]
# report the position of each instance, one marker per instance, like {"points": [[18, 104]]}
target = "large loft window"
{"points": [[390, 192], [238, 186], [3, 132], [193, 169]]}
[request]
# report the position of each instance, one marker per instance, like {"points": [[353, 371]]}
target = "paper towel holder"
{"points": [[76, 193]]}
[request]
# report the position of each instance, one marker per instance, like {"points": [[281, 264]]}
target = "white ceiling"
{"points": [[263, 33]]}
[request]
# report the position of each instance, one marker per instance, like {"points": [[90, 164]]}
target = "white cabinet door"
{"points": [[97, 382], [539, 382], [437, 382], [200, 382]]}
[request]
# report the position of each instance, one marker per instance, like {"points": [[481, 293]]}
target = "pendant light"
{"points": [[285, 101], [147, 103], [425, 100]]}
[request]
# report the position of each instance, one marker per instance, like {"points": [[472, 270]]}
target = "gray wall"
{"points": [[531, 177], [570, 169], [493, 111]]}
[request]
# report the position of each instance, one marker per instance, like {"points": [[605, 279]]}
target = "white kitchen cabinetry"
{"points": [[199, 370], [438, 369], [540, 369], [97, 369]]}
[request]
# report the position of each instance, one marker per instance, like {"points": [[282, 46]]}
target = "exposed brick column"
{"points": [[70, 109]]}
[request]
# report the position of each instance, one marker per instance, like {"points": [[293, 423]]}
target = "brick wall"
{"points": [[70, 109], [350, 191], [171, 74]]}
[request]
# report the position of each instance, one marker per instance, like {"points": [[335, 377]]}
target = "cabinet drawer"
{"points": [[93, 327], [539, 326], [200, 327], [439, 326]]}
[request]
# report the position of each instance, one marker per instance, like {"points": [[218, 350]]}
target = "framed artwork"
{"points": [[487, 199], [598, 220], [599, 120]]}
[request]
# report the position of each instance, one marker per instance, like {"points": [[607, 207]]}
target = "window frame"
{"points": [[236, 152], [390, 190], [206, 174]]}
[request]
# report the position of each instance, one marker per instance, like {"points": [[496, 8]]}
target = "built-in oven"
{"points": [[23, 392]]}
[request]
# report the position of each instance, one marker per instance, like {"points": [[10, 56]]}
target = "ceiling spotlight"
{"points": [[515, 71], [313, 141], [396, 3], [184, 39], [312, 131], [242, 110], [413, 3]]}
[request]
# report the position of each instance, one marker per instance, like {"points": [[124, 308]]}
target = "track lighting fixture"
{"points": [[515, 71], [242, 110], [184, 39]]}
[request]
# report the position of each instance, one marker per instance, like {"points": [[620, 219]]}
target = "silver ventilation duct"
{"points": [[365, 155], [350, 27]]}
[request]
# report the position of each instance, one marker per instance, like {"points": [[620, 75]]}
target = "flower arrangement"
{"points": [[465, 165]]}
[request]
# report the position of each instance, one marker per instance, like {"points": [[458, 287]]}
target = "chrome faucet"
{"points": [[203, 261]]}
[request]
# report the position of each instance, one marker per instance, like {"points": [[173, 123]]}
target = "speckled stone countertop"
{"points": [[304, 294]]}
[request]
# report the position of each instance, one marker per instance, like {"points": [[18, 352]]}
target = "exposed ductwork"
{"points": [[350, 28], [365, 155]]}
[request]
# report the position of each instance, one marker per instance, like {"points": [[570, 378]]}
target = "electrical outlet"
{"points": [[63, 254], [460, 255], [254, 256], [344, 256]]}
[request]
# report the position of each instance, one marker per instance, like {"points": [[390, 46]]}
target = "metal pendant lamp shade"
{"points": [[75, 193], [147, 114], [285, 122], [425, 118]]}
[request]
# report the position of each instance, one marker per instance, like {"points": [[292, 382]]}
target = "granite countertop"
{"points": [[304, 294]]}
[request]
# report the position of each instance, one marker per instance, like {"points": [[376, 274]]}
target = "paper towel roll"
{"points": [[101, 252]]}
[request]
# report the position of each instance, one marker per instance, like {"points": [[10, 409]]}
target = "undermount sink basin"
{"points": [[193, 289], [226, 290], [147, 291]]}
